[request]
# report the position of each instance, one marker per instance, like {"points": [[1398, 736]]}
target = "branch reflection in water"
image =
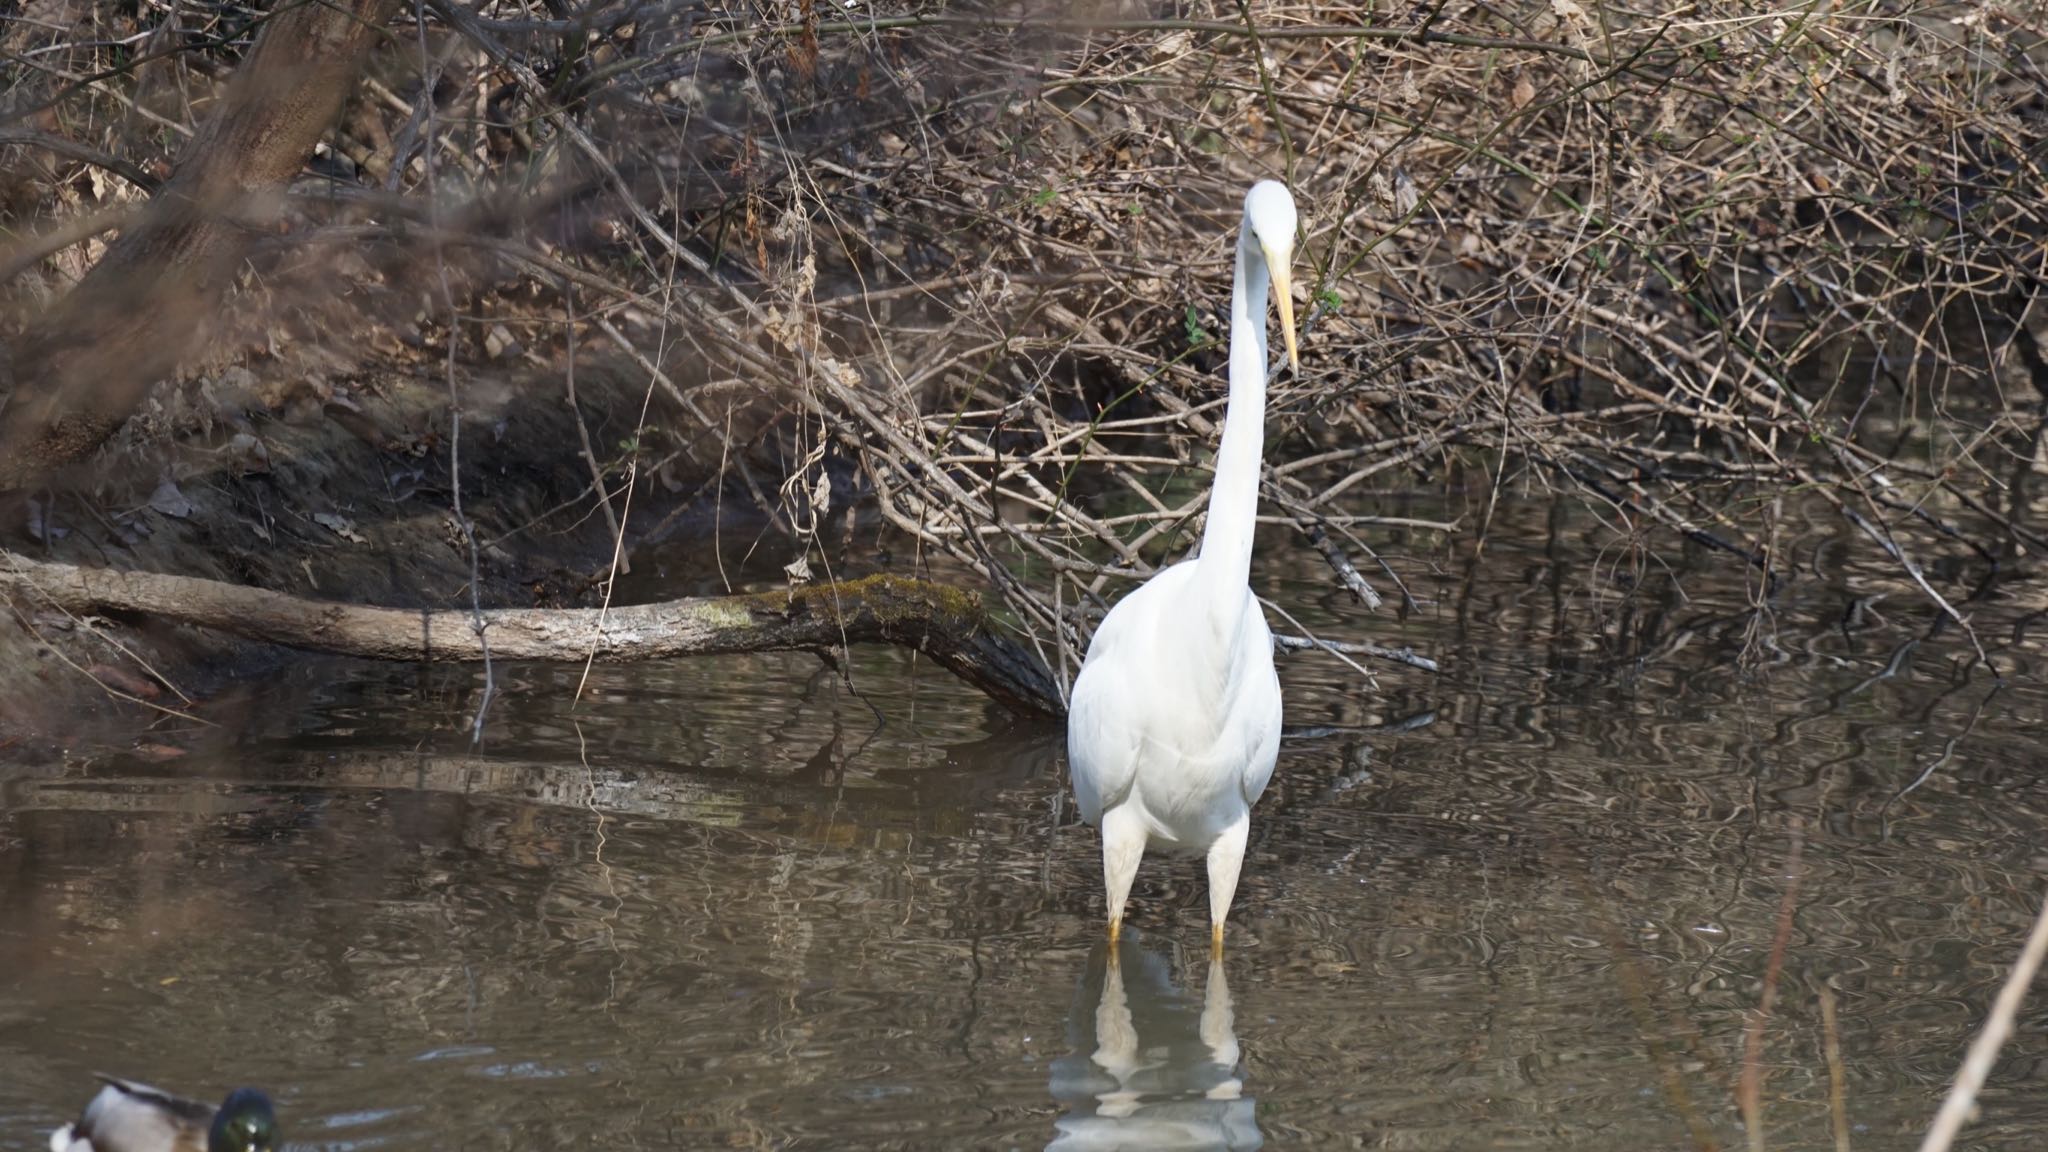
{"points": [[1144, 1068]]}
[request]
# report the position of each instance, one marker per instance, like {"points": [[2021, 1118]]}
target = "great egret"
{"points": [[1174, 721]]}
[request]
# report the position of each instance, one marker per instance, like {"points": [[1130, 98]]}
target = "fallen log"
{"points": [[947, 624]]}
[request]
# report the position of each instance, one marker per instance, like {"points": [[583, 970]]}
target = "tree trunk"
{"points": [[142, 309], [945, 623]]}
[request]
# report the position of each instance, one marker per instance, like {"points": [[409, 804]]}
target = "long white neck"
{"points": [[1226, 558]]}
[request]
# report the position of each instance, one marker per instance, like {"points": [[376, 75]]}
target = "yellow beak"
{"points": [[1283, 287]]}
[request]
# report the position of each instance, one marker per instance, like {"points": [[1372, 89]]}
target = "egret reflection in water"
{"points": [[1147, 1067]]}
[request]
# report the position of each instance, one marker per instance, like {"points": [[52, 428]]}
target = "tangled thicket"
{"points": [[965, 265]]}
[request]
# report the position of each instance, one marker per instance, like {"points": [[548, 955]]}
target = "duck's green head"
{"points": [[245, 1123]]}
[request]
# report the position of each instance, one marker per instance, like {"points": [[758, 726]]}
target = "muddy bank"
{"points": [[330, 490]]}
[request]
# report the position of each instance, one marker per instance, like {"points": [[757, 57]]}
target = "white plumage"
{"points": [[1174, 721]]}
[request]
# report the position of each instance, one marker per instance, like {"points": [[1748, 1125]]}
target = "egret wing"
{"points": [[1102, 743], [1264, 752], [1259, 703], [1105, 720]]}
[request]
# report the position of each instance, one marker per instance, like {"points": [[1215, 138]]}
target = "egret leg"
{"points": [[1226, 858], [1123, 845]]}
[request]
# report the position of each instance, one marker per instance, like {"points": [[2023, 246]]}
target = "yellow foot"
{"points": [[1216, 941], [1116, 928]]}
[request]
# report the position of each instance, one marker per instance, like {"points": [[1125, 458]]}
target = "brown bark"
{"points": [[142, 308], [945, 623]]}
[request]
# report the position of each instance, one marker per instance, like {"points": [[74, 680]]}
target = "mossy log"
{"points": [[945, 623]]}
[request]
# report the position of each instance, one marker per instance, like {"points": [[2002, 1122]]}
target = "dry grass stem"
{"points": [[1961, 1101]]}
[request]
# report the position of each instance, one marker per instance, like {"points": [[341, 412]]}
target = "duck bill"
{"points": [[1283, 287]]}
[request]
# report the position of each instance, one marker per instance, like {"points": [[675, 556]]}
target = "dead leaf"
{"points": [[1405, 194], [341, 526], [846, 374], [248, 454], [168, 500], [499, 341], [122, 680], [1524, 92], [39, 525], [132, 529]]}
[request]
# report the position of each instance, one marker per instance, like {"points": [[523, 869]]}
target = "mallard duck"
{"points": [[131, 1117]]}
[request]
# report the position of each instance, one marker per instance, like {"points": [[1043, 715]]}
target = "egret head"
{"points": [[1269, 215]]}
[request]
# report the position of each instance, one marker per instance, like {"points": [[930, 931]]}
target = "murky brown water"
{"points": [[719, 905]]}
